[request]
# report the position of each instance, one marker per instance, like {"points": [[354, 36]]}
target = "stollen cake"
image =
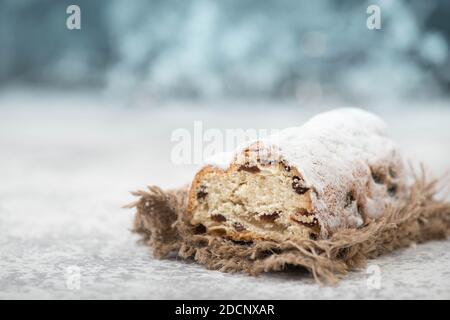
{"points": [[338, 170]]}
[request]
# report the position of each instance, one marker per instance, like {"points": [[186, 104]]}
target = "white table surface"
{"points": [[66, 167]]}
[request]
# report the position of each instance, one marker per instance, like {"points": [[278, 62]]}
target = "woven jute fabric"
{"points": [[164, 226]]}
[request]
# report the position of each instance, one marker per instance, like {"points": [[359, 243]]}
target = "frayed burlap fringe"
{"points": [[161, 221]]}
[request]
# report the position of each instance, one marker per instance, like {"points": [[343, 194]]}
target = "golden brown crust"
{"points": [[195, 182]]}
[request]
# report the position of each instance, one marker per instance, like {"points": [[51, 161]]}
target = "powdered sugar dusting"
{"points": [[335, 153], [330, 144]]}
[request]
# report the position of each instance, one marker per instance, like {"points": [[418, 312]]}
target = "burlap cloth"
{"points": [[163, 225]]}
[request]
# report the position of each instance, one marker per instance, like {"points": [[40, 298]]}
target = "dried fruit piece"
{"points": [[360, 209], [248, 168], [392, 190], [201, 194], [313, 236], [270, 217], [377, 176], [218, 218], [199, 229], [349, 199], [286, 167], [297, 185]]}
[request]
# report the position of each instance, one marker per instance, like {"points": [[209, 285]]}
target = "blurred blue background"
{"points": [[88, 115], [252, 49]]}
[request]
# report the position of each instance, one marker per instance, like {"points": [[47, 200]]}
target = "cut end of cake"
{"points": [[253, 199], [337, 171]]}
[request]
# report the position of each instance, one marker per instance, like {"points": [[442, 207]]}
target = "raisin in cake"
{"points": [[338, 170]]}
